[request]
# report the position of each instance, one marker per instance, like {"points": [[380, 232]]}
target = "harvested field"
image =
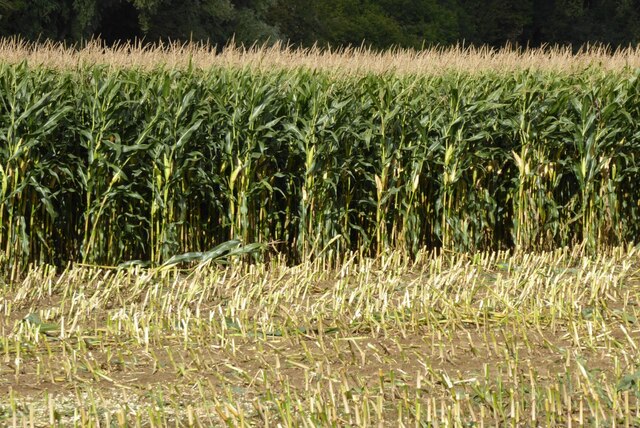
{"points": [[445, 339]]}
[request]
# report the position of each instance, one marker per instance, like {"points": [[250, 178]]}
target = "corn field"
{"points": [[434, 238], [103, 164]]}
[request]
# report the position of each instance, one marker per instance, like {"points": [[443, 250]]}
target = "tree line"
{"points": [[376, 23]]}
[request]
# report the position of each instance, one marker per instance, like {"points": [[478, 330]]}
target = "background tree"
{"points": [[497, 22], [376, 23], [37, 19], [297, 20], [425, 22], [184, 19]]}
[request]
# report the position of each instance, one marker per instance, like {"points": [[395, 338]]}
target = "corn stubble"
{"points": [[437, 340]]}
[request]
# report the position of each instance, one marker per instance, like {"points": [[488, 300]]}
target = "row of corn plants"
{"points": [[104, 165]]}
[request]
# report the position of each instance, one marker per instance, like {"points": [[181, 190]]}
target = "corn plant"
{"points": [[112, 164]]}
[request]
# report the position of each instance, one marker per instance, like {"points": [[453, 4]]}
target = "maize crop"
{"points": [[104, 164]]}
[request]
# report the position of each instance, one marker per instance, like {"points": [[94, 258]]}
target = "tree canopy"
{"points": [[376, 23]]}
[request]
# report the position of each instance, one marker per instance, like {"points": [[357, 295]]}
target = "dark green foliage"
{"points": [[614, 22], [497, 22], [213, 21], [106, 166], [375, 23]]}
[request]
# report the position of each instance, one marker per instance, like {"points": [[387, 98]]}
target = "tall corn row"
{"points": [[34, 165], [107, 165], [599, 133], [177, 120], [112, 134], [533, 206]]}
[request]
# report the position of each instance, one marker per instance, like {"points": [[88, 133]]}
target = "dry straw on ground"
{"points": [[351, 60], [454, 340]]}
